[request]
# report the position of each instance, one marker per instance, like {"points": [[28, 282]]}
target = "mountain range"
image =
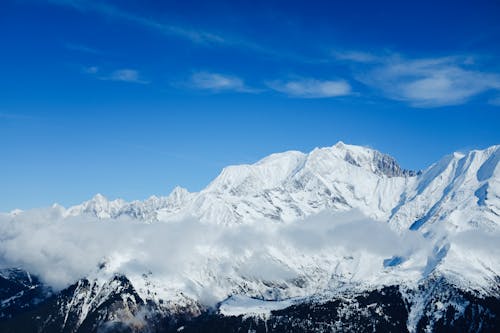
{"points": [[340, 238]]}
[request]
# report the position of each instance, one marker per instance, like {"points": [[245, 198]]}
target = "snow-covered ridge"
{"points": [[282, 187], [292, 185]]}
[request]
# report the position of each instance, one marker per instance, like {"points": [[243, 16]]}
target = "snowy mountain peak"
{"points": [[370, 159], [15, 212], [98, 206], [293, 185], [99, 198], [462, 189], [276, 169], [178, 193], [339, 145], [269, 172]]}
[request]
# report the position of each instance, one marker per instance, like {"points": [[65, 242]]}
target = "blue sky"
{"points": [[130, 98]]}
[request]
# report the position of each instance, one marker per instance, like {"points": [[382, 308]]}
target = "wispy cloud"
{"points": [[123, 75], [195, 35], [15, 116], [113, 12], [218, 82], [82, 48], [356, 56], [126, 75], [420, 82], [426, 82], [90, 70], [311, 88]]}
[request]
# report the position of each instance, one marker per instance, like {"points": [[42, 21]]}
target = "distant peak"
{"points": [[99, 196], [339, 145], [179, 189], [281, 157], [57, 206], [369, 158], [16, 211]]}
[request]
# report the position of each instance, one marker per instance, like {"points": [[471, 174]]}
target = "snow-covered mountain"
{"points": [[462, 188], [342, 234]]}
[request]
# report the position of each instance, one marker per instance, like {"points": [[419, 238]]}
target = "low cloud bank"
{"points": [[62, 250]]}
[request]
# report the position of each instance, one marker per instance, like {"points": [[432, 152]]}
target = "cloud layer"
{"points": [[209, 261], [62, 250]]}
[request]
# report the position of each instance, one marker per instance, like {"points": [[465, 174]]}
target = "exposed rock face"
{"points": [[114, 306]]}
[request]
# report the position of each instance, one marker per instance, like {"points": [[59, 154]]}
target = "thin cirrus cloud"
{"points": [[83, 48], [311, 88], [120, 75], [195, 35], [217, 82], [355, 56], [423, 82], [110, 11], [126, 75]]}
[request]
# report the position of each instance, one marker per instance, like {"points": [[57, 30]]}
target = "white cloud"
{"points": [[218, 82], [429, 82], [312, 88], [193, 254], [62, 250]]}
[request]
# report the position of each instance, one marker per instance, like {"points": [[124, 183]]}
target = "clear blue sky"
{"points": [[130, 98]]}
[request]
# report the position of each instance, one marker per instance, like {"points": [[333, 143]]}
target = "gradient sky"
{"points": [[130, 98]]}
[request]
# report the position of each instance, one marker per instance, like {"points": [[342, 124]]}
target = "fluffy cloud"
{"points": [[62, 250], [312, 88], [194, 256]]}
